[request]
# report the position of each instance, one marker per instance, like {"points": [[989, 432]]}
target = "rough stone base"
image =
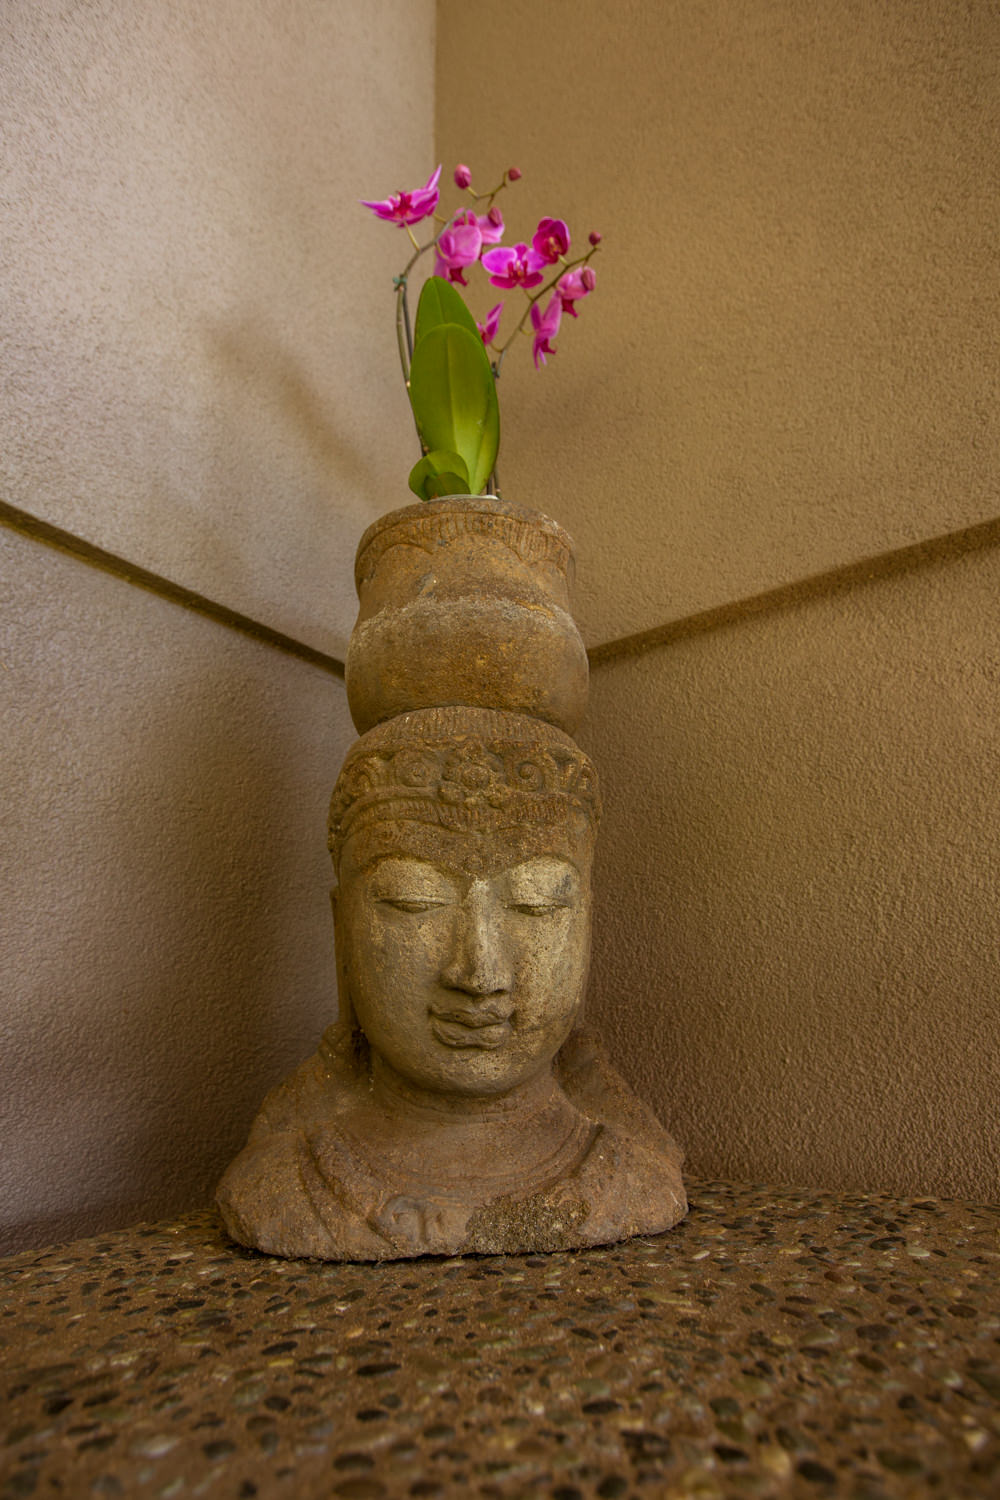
{"points": [[776, 1343]]}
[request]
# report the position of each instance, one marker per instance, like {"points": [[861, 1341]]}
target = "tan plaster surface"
{"points": [[168, 948], [790, 360], [797, 941], [199, 361]]}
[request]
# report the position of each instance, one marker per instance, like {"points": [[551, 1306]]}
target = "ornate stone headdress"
{"points": [[466, 771], [466, 600]]}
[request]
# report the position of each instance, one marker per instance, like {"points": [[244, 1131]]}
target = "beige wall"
{"points": [[797, 947], [168, 948], [199, 377], [197, 323], [790, 360], [789, 365]]}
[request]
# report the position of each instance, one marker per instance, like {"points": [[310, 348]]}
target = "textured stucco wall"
{"points": [[192, 380], [197, 322], [789, 364], [167, 938], [790, 360], [797, 946]]}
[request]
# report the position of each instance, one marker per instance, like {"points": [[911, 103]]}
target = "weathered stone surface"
{"points": [[457, 1105], [337, 1168], [432, 1119], [466, 600]]}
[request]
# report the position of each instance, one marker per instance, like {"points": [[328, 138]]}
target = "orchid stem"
{"points": [[406, 324], [405, 341], [403, 338], [581, 260]]}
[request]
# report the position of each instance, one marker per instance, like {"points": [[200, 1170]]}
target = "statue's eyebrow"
{"points": [[560, 879], [403, 869], [382, 858]]}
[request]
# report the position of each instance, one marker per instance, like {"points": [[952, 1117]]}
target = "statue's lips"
{"points": [[483, 1029]]}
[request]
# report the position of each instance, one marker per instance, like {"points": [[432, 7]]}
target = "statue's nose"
{"points": [[477, 963]]}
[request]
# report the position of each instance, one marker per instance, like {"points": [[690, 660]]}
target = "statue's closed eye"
{"points": [[411, 904], [537, 908]]}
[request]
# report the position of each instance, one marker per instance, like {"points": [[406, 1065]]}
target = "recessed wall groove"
{"points": [[940, 549], [934, 550], [155, 583]]}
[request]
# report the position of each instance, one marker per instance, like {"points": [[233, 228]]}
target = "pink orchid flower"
{"points": [[408, 208], [458, 247], [511, 268], [574, 285], [546, 326], [550, 240], [491, 226], [488, 330]]}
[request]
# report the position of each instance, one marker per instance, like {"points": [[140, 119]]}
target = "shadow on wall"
{"points": [[268, 387], [187, 959], [796, 948]]}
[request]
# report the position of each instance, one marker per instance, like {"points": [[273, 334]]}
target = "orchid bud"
{"points": [[595, 238], [495, 217], [462, 176], [513, 174], [588, 278]]}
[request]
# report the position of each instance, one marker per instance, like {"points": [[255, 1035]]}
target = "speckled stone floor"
{"points": [[778, 1343]]}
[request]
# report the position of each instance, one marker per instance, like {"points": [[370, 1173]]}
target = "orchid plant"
{"points": [[451, 363]]}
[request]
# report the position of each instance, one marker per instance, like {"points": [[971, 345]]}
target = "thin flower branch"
{"points": [[444, 377], [537, 296]]}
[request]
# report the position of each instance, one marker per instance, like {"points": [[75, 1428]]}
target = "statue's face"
{"points": [[466, 981]]}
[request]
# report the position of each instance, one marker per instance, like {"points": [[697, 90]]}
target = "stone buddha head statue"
{"points": [[462, 840], [457, 1105]]}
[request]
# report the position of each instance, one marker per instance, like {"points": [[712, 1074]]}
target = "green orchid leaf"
{"points": [[441, 303], [439, 473], [454, 399]]}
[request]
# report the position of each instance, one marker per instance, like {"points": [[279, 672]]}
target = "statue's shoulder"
{"points": [[594, 1085], [275, 1198], [631, 1185], [625, 1177], [631, 1175], [318, 1088]]}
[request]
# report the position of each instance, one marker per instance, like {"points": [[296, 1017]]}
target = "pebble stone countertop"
{"points": [[778, 1343]]}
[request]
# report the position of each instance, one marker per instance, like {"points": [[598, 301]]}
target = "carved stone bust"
{"points": [[458, 1104]]}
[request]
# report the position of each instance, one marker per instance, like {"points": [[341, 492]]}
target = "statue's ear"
{"points": [[334, 893]]}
